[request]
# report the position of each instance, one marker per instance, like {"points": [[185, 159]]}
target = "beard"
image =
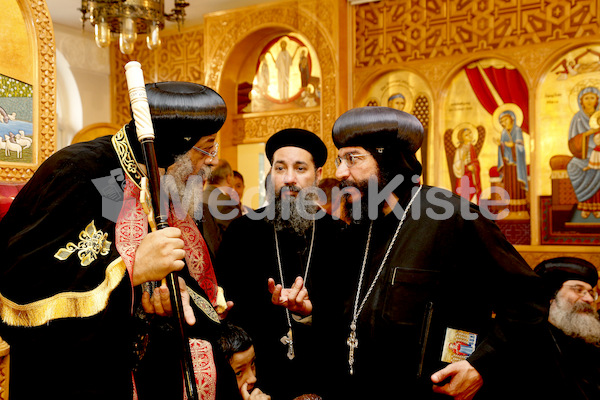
{"points": [[293, 212], [357, 192], [578, 320], [180, 180]]}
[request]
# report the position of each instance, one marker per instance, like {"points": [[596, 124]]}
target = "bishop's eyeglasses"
{"points": [[211, 154], [350, 159], [581, 291]]}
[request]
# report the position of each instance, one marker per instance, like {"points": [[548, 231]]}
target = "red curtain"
{"points": [[508, 83]]}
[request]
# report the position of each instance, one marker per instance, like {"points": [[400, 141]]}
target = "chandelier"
{"points": [[128, 18]]}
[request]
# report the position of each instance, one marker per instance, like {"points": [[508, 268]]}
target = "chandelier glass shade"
{"points": [[126, 19]]}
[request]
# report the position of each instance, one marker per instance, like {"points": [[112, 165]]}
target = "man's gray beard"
{"points": [[287, 215], [579, 320], [181, 171]]}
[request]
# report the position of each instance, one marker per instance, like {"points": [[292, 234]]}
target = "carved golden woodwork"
{"points": [[253, 128], [179, 58], [437, 38], [536, 254], [434, 39], [41, 38], [94, 131], [4, 370], [314, 20], [403, 30]]}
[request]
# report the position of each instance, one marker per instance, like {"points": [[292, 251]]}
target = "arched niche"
{"points": [[568, 125], [479, 99], [240, 69], [28, 68], [236, 40], [247, 127]]}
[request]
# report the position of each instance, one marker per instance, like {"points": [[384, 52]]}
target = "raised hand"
{"points": [[294, 299], [256, 394]]}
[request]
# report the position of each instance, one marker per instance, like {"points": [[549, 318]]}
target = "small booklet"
{"points": [[442, 344], [458, 345]]}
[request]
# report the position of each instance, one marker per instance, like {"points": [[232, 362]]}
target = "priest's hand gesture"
{"points": [[294, 299]]}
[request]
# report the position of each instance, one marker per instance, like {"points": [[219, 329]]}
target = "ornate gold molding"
{"points": [[258, 128], [536, 254], [4, 369], [179, 58], [39, 25], [402, 31]]}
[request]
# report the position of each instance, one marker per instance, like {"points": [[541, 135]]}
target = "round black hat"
{"points": [[297, 138], [182, 113], [371, 127], [554, 272]]}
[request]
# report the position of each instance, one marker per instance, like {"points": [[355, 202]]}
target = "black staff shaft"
{"points": [[187, 367]]}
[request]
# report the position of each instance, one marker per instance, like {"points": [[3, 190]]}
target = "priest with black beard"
{"points": [[406, 311], [288, 239]]}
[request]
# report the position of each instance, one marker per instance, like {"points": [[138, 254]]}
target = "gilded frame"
{"points": [[40, 32]]}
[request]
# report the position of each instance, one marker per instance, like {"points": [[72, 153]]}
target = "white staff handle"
{"points": [[139, 101]]}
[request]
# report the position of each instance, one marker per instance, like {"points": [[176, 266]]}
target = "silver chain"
{"points": [[352, 340], [288, 339]]}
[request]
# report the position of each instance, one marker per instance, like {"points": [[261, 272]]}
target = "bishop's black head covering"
{"points": [[556, 271], [297, 138], [182, 113], [378, 127], [391, 136]]}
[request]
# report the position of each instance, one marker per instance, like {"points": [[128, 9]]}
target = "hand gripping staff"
{"points": [[145, 134]]}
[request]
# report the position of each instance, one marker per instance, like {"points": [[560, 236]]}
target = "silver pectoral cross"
{"points": [[352, 342], [287, 340]]}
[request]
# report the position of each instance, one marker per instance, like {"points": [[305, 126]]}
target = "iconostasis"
{"points": [[568, 137], [487, 141], [494, 85]]}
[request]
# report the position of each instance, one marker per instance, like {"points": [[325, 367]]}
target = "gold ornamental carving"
{"points": [[4, 369], [533, 258], [179, 58], [259, 128], [402, 30], [225, 30], [315, 20], [187, 56]]}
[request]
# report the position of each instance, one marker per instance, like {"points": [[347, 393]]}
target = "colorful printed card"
{"points": [[458, 345]]}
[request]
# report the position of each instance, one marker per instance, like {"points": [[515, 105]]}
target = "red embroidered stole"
{"points": [[197, 256], [131, 228], [132, 225]]}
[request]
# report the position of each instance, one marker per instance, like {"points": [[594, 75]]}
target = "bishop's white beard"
{"points": [[181, 182], [579, 320]]}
